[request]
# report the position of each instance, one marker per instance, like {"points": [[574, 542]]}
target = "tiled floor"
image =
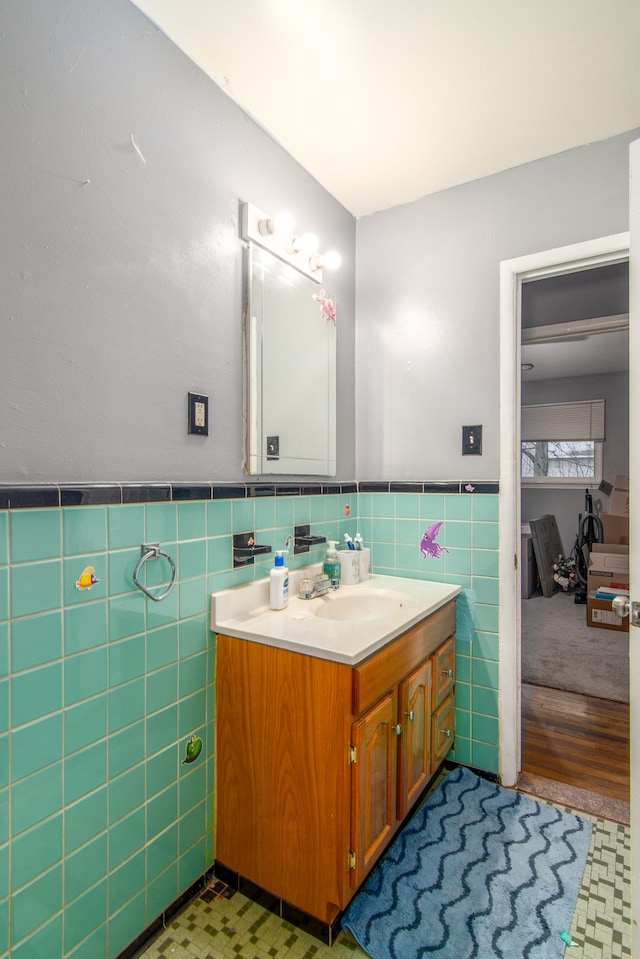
{"points": [[238, 928]]}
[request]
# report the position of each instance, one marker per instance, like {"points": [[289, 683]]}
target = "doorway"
{"points": [[574, 431], [513, 274]]}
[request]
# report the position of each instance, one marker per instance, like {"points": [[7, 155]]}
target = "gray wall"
{"points": [[122, 277], [427, 293], [566, 505]]}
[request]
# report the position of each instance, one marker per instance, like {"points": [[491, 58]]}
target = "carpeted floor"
{"points": [[559, 650]]}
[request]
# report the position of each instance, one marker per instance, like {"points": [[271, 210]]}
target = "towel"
{"points": [[465, 604]]}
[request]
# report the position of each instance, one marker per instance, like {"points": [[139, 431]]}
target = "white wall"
{"points": [[427, 294]]}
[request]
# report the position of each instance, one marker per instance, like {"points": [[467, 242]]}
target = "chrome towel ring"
{"points": [[153, 551]]}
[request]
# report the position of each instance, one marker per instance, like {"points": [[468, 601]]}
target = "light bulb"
{"points": [[266, 227], [332, 260], [309, 243], [293, 244], [281, 223]]}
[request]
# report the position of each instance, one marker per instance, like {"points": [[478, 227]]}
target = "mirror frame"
{"points": [[291, 381]]}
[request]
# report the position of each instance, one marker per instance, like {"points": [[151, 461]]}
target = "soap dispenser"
{"points": [[332, 567], [279, 582]]}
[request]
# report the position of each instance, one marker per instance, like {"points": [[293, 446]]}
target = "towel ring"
{"points": [[152, 550]]}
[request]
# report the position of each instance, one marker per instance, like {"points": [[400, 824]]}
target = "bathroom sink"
{"points": [[361, 604], [345, 626]]}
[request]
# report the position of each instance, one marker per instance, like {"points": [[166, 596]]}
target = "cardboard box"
{"points": [[600, 614], [608, 566], [619, 499], [615, 528]]}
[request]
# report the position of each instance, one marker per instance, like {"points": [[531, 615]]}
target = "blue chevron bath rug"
{"points": [[479, 872]]}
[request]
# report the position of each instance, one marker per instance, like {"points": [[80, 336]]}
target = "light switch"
{"points": [[472, 440]]}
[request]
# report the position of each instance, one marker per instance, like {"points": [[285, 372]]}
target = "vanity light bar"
{"points": [[264, 231]]}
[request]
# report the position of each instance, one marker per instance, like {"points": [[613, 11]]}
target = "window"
{"points": [[562, 444]]}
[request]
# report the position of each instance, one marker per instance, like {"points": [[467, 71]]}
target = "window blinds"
{"points": [[583, 420]]}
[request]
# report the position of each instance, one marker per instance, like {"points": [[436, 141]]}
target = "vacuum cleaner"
{"points": [[590, 531]]}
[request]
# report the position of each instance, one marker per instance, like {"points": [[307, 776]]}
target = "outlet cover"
{"points": [[472, 441], [198, 414]]}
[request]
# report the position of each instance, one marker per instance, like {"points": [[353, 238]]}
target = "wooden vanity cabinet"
{"points": [[442, 721], [415, 763], [318, 763], [374, 758]]}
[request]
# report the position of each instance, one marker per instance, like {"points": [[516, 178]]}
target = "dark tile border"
{"points": [[146, 493], [142, 941], [229, 491], [180, 491], [325, 932], [373, 487], [94, 494], [90, 495], [24, 497]]}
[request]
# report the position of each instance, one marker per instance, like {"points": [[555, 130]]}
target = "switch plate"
{"points": [[472, 440], [273, 447], [198, 414]]}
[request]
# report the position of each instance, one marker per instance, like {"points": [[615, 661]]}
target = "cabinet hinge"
{"points": [[515, 560], [353, 754], [351, 859]]}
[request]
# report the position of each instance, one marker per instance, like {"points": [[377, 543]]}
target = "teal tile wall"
{"points": [[392, 524], [102, 825]]}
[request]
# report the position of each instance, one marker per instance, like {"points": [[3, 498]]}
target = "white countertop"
{"points": [[243, 612]]}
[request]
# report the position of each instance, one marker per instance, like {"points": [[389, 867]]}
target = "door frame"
{"points": [[567, 259]]}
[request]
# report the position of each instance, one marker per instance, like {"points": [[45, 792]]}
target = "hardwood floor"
{"points": [[577, 740]]}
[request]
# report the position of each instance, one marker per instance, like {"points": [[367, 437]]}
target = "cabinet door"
{"points": [[415, 744], [374, 781], [443, 671], [442, 731]]}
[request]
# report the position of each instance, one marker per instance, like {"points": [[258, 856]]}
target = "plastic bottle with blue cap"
{"points": [[279, 582]]}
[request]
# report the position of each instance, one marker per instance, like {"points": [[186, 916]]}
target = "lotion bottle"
{"points": [[279, 582]]}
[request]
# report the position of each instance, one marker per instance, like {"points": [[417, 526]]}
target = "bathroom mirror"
{"points": [[290, 370]]}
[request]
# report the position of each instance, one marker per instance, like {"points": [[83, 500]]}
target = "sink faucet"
{"points": [[318, 586]]}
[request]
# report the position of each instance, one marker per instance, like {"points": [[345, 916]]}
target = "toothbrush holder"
{"points": [[349, 566], [365, 562]]}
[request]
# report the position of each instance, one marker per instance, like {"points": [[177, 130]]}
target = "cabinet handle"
{"points": [[410, 715], [398, 729], [447, 672], [445, 732]]}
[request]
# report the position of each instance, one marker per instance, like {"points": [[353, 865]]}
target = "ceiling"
{"points": [[570, 307], [384, 102], [577, 356]]}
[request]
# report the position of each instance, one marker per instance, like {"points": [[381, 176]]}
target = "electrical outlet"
{"points": [[198, 414], [472, 440]]}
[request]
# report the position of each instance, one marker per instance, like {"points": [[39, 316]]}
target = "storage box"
{"points": [[619, 499], [615, 528], [608, 566], [600, 614]]}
